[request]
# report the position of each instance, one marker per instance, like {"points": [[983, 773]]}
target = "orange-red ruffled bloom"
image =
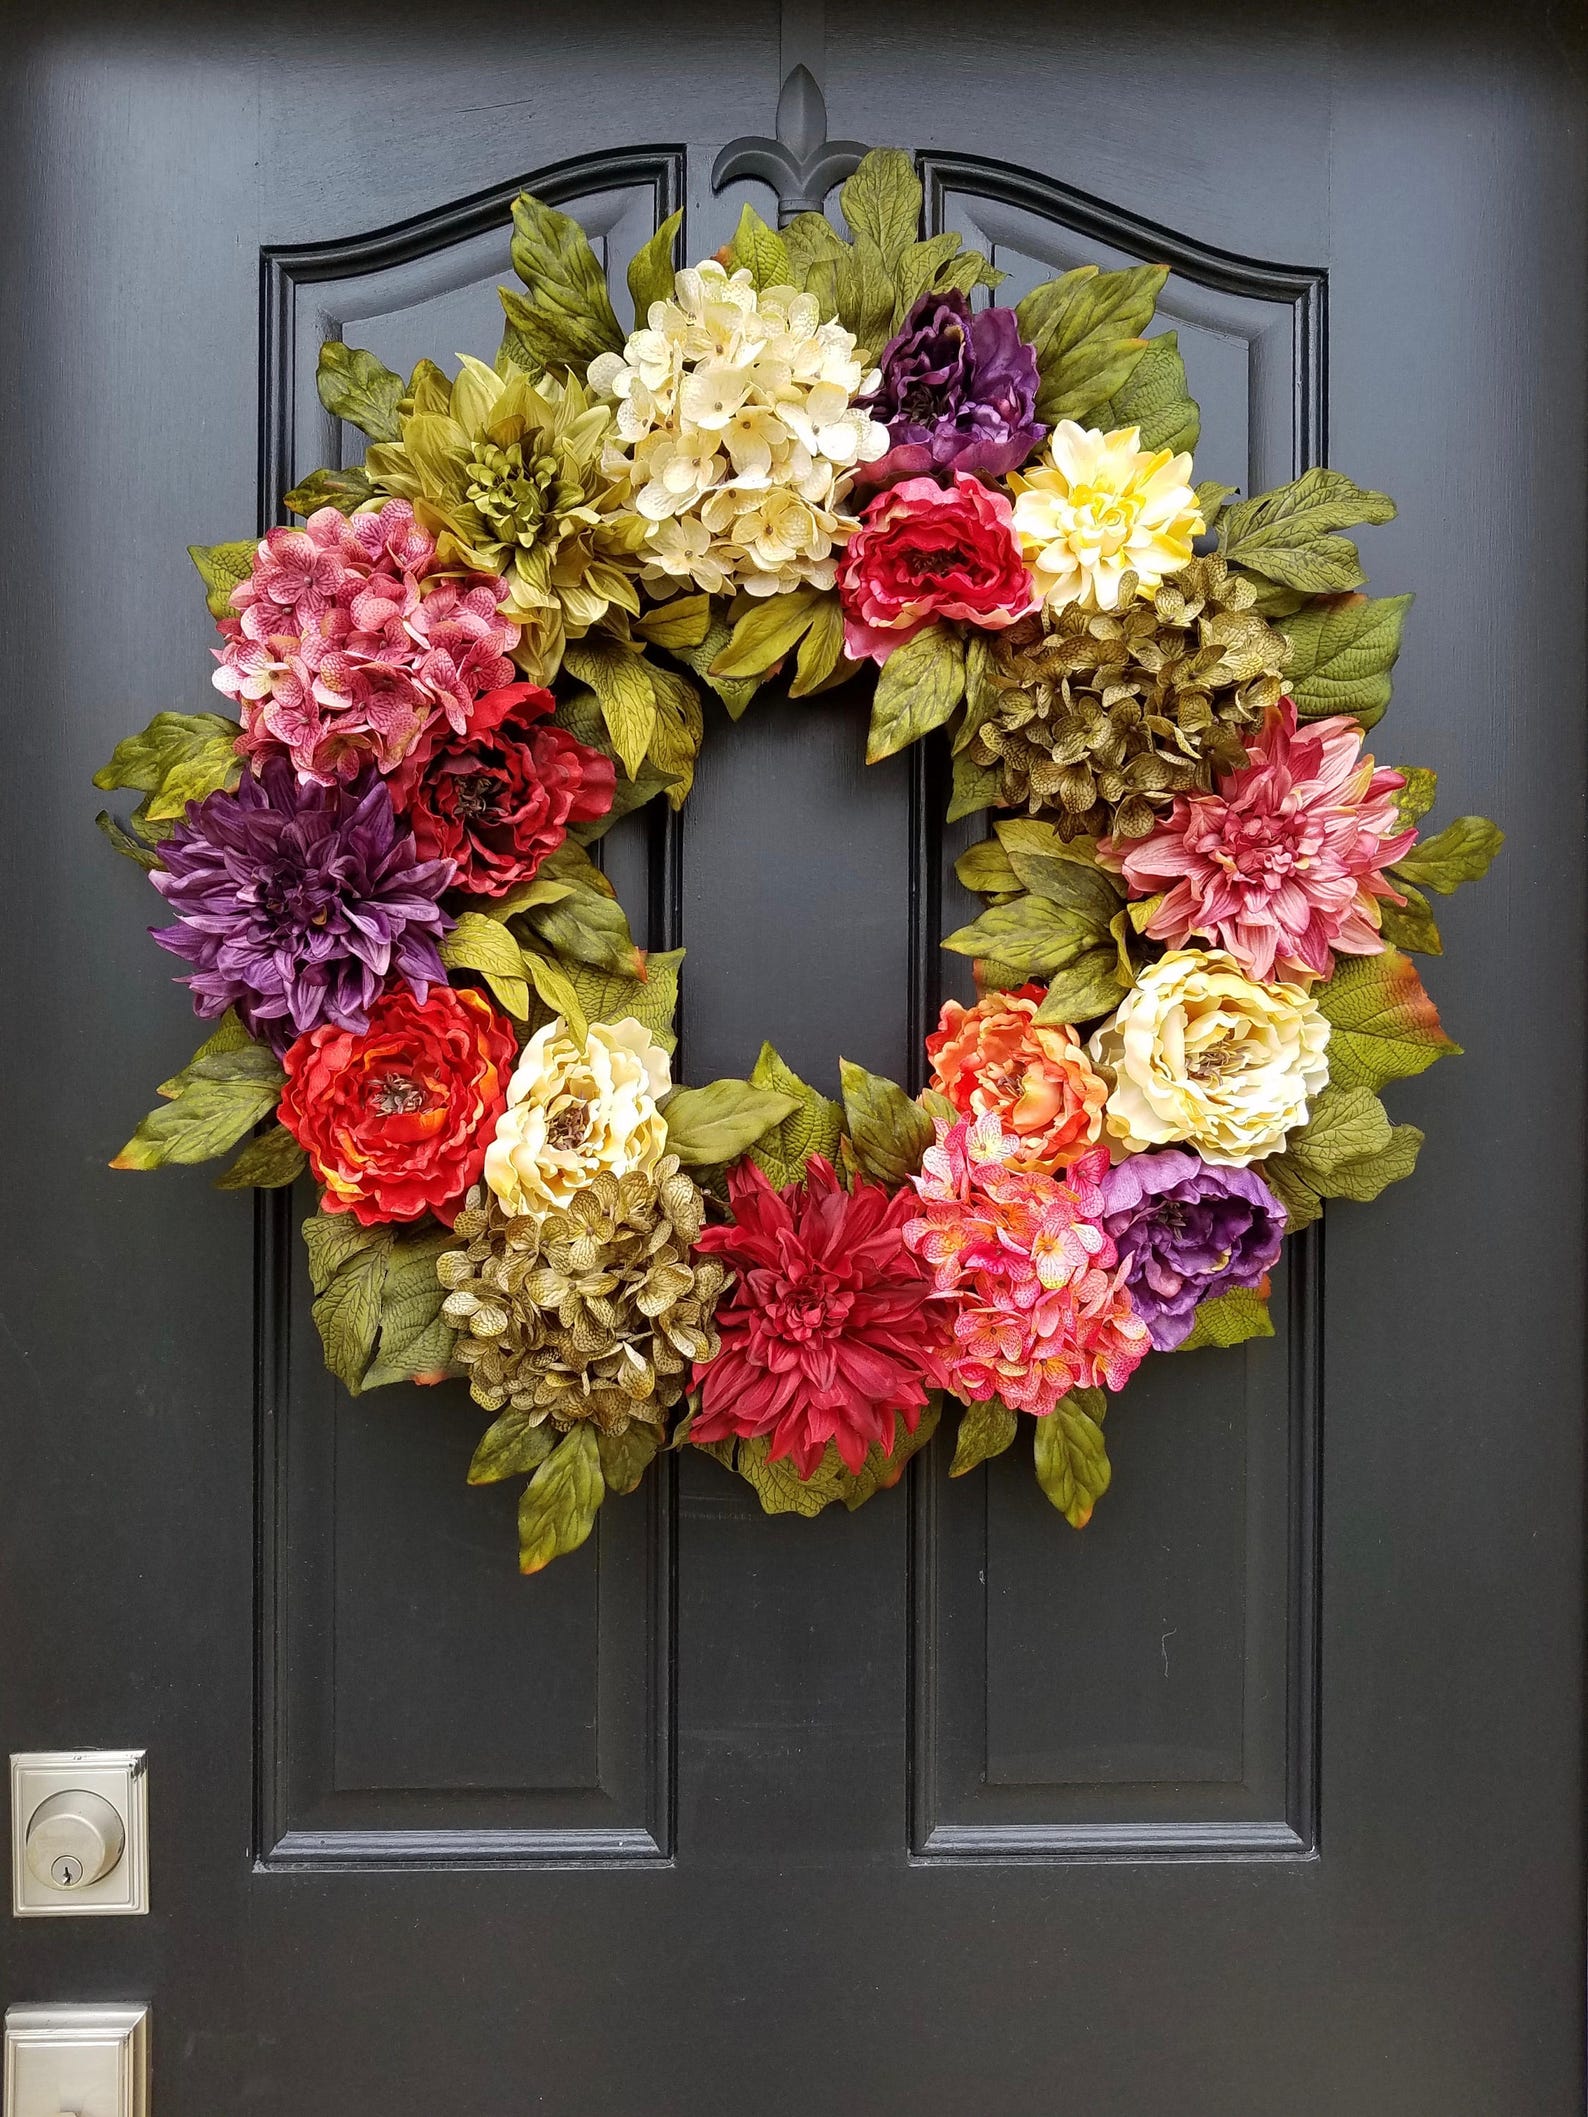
{"points": [[1033, 1076], [396, 1120]]}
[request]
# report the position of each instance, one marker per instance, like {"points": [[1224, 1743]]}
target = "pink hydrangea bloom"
{"points": [[348, 642], [1282, 865], [1039, 1303]]}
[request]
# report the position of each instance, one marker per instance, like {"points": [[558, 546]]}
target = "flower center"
{"points": [[1214, 1060], [807, 1312], [568, 1127], [931, 564], [396, 1094], [509, 492], [475, 795]]}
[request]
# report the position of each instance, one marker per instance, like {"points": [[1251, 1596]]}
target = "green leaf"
{"points": [[985, 1430], [268, 1163], [561, 1501], [1155, 398], [862, 293], [1348, 1149], [1412, 924], [735, 692], [968, 269], [344, 490], [1383, 1025], [556, 991], [812, 1127], [1210, 499], [569, 318], [349, 1268], [333, 1239], [1228, 1319], [1089, 987], [709, 1126], [1032, 935], [621, 680], [1085, 328], [1341, 655], [882, 201], [513, 1447], [123, 841], [976, 786], [759, 251], [1416, 797], [807, 237], [920, 685], [1288, 535], [1066, 873], [882, 1470], [769, 629], [985, 868], [1462, 852], [485, 946], [1072, 1462], [588, 928], [579, 711], [223, 567], [821, 661], [604, 996], [780, 1488], [355, 386], [625, 1457], [217, 1097], [890, 1133], [177, 758], [651, 269], [415, 1341], [682, 621], [916, 269]]}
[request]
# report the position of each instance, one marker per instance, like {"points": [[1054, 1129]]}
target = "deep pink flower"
{"points": [[925, 551], [1040, 1305], [348, 643], [831, 1328], [1283, 863]]}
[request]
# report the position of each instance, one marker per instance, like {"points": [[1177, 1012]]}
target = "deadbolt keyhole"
{"points": [[66, 1872]]}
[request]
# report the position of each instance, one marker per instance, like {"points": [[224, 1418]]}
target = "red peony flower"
{"points": [[498, 796], [832, 1327], [396, 1120], [925, 551]]}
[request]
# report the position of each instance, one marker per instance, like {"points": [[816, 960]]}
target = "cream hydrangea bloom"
{"points": [[1098, 506], [736, 434], [1199, 1053], [573, 1110]]}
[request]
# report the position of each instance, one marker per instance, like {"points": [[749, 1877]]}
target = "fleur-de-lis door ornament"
{"points": [[802, 164]]}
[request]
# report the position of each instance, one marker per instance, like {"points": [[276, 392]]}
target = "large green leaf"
{"points": [[415, 1340], [268, 1163], [1412, 924], [1383, 1025], [588, 927], [1228, 1319], [779, 1486], [769, 629], [177, 758], [985, 1430], [1462, 852], [1032, 935], [1289, 536], [345, 490], [862, 293], [355, 386], [651, 269], [882, 201], [715, 1124], [1154, 397], [758, 250], [1341, 654], [513, 1447], [220, 1095], [1072, 1462], [813, 1126], [605, 996], [1347, 1149], [1089, 987], [561, 1501], [568, 318], [484, 945], [882, 1470], [347, 1266], [621, 680], [1066, 874], [890, 1133], [1085, 328], [223, 567], [625, 1457]]}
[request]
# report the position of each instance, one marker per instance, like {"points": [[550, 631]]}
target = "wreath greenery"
{"points": [[811, 456]]}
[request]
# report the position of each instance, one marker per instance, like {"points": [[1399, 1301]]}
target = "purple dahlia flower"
{"points": [[1185, 1230], [958, 392], [298, 904]]}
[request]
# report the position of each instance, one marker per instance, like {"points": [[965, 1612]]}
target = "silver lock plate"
{"points": [[76, 1802], [89, 2061]]}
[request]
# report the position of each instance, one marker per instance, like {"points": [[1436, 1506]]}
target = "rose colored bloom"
{"points": [[831, 1328], [298, 904], [1284, 862], [925, 551], [1185, 1230], [958, 393], [348, 642], [396, 1120], [1034, 1076], [498, 797], [1040, 1301]]}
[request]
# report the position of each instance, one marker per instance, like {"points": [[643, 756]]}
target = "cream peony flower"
{"points": [[1096, 507], [736, 435], [1198, 1052], [572, 1112]]}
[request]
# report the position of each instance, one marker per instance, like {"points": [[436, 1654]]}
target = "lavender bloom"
{"points": [[298, 904], [958, 392], [1185, 1230]]}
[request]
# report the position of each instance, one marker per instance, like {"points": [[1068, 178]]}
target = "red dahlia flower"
{"points": [[497, 796], [925, 551], [831, 1328], [396, 1121]]}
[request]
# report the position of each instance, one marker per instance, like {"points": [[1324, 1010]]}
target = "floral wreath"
{"points": [[811, 455]]}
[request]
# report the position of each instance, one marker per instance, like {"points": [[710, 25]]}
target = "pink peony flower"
{"points": [[925, 551], [1040, 1305], [348, 643], [1284, 863]]}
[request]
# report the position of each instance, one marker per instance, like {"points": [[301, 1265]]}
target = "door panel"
{"points": [[1262, 1794]]}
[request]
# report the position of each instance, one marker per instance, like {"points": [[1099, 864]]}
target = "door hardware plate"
{"points": [[118, 1776], [90, 2061]]}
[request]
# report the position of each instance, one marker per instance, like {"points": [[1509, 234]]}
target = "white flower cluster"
{"points": [[736, 434]]}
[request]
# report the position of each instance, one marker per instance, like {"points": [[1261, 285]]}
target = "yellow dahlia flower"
{"points": [[736, 435], [1098, 506], [1200, 1053], [574, 1110]]}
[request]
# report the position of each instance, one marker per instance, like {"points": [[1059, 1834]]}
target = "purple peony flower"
{"points": [[958, 392], [1185, 1230], [298, 904]]}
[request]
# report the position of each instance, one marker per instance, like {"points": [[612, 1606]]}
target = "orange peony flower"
{"points": [[1033, 1076]]}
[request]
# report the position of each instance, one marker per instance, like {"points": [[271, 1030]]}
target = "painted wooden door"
{"points": [[1262, 1795]]}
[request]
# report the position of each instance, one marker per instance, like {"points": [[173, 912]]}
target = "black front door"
{"points": [[1261, 1796]]}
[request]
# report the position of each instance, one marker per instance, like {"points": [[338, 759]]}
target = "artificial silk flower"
{"points": [[1186, 1230], [1033, 1076], [1098, 506], [957, 392], [575, 1109], [926, 551], [1200, 1054]]}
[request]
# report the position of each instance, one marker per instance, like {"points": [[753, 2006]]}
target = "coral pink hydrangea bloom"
{"points": [[1040, 1306], [1283, 863], [348, 643], [925, 551]]}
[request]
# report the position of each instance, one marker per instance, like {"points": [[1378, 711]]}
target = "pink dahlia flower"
{"points": [[1040, 1305], [1284, 863], [348, 642]]}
